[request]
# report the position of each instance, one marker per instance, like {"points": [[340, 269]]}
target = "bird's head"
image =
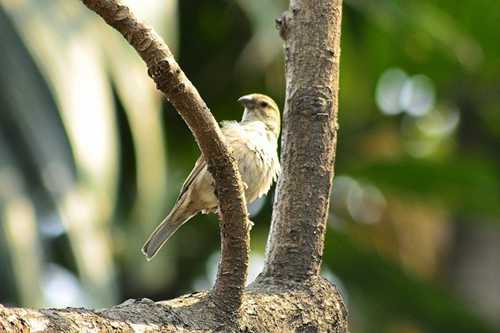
{"points": [[262, 108]]}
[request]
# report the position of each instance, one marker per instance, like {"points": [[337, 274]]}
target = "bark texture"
{"points": [[311, 31], [311, 307], [182, 94]]}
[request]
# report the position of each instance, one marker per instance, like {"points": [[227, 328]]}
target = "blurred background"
{"points": [[91, 158]]}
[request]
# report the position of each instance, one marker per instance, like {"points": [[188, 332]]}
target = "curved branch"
{"points": [[311, 30], [181, 93]]}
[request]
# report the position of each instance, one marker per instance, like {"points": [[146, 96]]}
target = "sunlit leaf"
{"points": [[25, 248]]}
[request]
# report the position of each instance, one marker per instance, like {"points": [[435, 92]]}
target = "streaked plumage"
{"points": [[254, 143]]}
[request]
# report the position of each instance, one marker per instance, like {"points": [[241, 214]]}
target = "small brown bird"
{"points": [[254, 143]]}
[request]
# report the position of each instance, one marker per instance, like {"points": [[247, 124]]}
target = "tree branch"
{"points": [[311, 30], [312, 307], [181, 93]]}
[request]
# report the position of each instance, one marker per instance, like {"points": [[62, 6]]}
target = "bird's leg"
{"points": [[250, 223]]}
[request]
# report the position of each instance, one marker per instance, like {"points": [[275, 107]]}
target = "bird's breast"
{"points": [[257, 159]]}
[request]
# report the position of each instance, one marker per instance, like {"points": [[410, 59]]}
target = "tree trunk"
{"points": [[311, 30], [290, 295]]}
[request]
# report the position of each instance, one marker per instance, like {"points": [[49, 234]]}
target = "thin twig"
{"points": [[181, 93]]}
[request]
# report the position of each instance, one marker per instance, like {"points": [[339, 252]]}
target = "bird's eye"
{"points": [[263, 104]]}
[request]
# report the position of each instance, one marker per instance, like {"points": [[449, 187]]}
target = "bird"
{"points": [[254, 144]]}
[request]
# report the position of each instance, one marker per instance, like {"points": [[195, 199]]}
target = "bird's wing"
{"points": [[232, 132], [198, 167]]}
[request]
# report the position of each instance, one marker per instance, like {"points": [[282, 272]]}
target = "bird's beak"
{"points": [[245, 100]]}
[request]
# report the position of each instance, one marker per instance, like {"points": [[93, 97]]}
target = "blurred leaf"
{"points": [[74, 69], [265, 44], [33, 149], [25, 249], [76, 55], [142, 105], [387, 287], [469, 186], [23, 262], [415, 18]]}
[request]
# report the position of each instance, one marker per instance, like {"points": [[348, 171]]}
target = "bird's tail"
{"points": [[177, 217]]}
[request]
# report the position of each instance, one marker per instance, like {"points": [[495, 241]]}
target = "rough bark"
{"points": [[311, 307], [182, 94], [290, 295], [311, 31]]}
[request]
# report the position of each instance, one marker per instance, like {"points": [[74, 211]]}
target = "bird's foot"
{"points": [[250, 225]]}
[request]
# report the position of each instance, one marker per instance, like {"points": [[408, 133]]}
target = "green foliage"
{"points": [[462, 185], [395, 293]]}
